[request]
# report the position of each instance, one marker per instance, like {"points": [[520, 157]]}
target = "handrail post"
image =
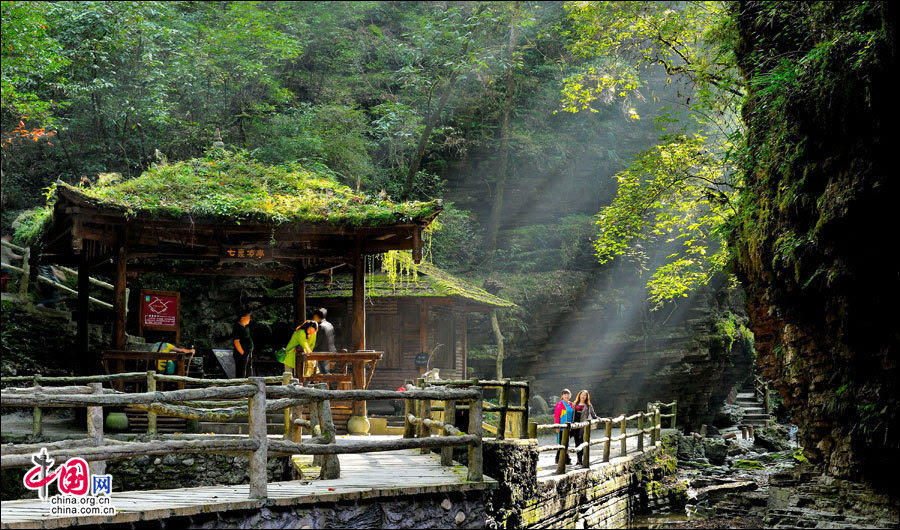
{"points": [[409, 428], [426, 430], [564, 452], [623, 450], [532, 430], [151, 416], [296, 414], [37, 414], [257, 430], [767, 398], [26, 275], [331, 465], [476, 463], [504, 403], [286, 381], [586, 453], [449, 415], [641, 432], [95, 429], [523, 419], [674, 409], [608, 440], [658, 423]]}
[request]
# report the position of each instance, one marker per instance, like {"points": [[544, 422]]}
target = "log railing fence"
{"points": [[673, 407], [512, 419], [646, 423], [25, 276], [220, 401]]}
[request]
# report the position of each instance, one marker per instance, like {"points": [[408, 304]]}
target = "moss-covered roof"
{"points": [[231, 187], [430, 281]]}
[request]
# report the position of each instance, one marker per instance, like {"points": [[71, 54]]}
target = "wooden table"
{"points": [[357, 361], [120, 356]]}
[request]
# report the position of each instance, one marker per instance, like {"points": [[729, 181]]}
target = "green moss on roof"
{"points": [[232, 187], [430, 281]]}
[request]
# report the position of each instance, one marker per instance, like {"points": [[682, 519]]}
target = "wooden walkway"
{"points": [[363, 476]]}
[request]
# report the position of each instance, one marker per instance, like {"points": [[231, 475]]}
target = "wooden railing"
{"points": [[649, 422], [673, 407], [512, 419], [25, 275], [246, 398]]}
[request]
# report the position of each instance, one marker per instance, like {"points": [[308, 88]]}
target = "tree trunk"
{"points": [[497, 207], [495, 325], [430, 122]]}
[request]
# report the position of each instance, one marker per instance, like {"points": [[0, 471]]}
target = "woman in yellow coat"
{"points": [[304, 340]]}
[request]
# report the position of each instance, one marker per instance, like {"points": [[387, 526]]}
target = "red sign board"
{"points": [[159, 309]]}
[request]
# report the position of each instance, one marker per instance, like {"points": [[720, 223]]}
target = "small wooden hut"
{"points": [[408, 317], [223, 214]]}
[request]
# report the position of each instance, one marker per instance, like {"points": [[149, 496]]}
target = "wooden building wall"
{"points": [[395, 326]]}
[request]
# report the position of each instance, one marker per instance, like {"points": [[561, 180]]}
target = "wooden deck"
{"points": [[363, 476]]}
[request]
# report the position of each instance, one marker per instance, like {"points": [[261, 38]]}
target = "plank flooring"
{"points": [[363, 476]]}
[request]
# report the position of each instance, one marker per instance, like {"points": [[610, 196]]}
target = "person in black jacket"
{"points": [[584, 411], [242, 345], [326, 338]]}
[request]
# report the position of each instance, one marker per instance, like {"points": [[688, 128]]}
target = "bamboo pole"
{"points": [[257, 429], [449, 417], [608, 440], [95, 430], [476, 464], [37, 415], [151, 416]]}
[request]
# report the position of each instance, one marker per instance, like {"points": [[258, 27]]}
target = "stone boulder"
{"points": [[735, 448], [772, 439], [728, 416], [690, 449], [539, 406], [715, 451]]}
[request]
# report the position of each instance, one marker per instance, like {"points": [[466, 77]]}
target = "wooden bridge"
{"points": [[369, 467]]}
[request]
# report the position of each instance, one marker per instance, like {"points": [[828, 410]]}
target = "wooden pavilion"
{"points": [[224, 214], [407, 317]]}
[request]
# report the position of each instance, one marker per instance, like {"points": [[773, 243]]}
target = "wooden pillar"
{"points": [[87, 365], [641, 431], [119, 300], [358, 424], [358, 333], [563, 453], [674, 411], [449, 415], [286, 381], [257, 428], [151, 416], [504, 404], [608, 441], [37, 413], [623, 450], [586, 454], [526, 398], [95, 429], [299, 297], [476, 462]]}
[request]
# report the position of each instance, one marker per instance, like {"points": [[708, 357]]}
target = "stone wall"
{"points": [[810, 246], [601, 497]]}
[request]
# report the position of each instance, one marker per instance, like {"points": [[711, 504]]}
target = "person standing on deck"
{"points": [[326, 332], [303, 340], [584, 411], [242, 344], [563, 413]]}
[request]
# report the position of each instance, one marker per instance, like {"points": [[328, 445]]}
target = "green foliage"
{"points": [[456, 239], [749, 465]]}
